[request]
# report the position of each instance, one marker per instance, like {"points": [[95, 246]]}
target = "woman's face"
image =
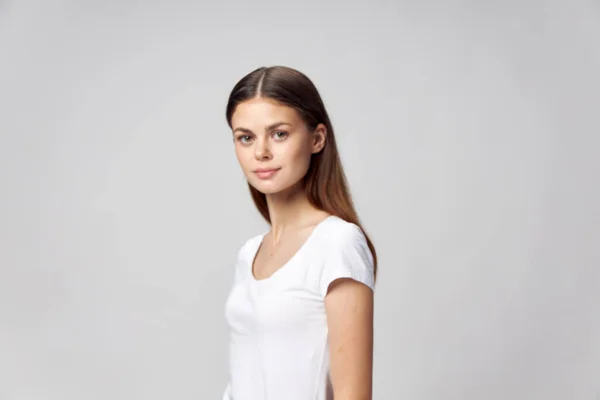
{"points": [[273, 144]]}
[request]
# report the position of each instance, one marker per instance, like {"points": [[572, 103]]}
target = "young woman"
{"points": [[300, 311]]}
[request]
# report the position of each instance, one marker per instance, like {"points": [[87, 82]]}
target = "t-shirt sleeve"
{"points": [[348, 256]]}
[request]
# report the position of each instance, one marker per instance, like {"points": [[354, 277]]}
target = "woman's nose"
{"points": [[262, 149]]}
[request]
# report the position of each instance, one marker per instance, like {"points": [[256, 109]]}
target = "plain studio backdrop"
{"points": [[469, 132]]}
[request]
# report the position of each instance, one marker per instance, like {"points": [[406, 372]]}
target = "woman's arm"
{"points": [[349, 307]]}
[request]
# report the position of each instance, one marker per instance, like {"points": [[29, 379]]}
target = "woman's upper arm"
{"points": [[347, 286], [349, 307]]}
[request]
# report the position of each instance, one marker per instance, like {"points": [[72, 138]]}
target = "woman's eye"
{"points": [[280, 134], [244, 138]]}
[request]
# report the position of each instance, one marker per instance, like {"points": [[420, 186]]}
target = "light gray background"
{"points": [[469, 133]]}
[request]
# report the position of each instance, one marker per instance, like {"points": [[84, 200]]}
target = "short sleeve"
{"points": [[348, 256]]}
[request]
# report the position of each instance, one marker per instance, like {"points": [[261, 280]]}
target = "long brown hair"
{"points": [[325, 183]]}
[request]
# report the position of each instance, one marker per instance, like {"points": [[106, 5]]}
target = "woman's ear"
{"points": [[319, 138]]}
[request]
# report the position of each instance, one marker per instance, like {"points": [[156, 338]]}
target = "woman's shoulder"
{"points": [[245, 255], [345, 254], [249, 244], [341, 233]]}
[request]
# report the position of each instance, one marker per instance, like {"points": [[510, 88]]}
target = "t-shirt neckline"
{"points": [[287, 264]]}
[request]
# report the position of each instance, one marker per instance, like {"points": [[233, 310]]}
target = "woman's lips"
{"points": [[266, 174]]}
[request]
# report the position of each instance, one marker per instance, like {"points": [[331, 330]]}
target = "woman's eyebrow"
{"points": [[268, 128]]}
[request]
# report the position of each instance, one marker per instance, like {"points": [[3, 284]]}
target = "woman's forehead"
{"points": [[263, 113]]}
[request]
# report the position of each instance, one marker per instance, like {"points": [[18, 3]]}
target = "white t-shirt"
{"points": [[279, 348]]}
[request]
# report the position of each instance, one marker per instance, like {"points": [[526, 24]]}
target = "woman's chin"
{"points": [[270, 186], [266, 187]]}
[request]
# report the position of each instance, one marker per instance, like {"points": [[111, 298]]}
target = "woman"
{"points": [[300, 311]]}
